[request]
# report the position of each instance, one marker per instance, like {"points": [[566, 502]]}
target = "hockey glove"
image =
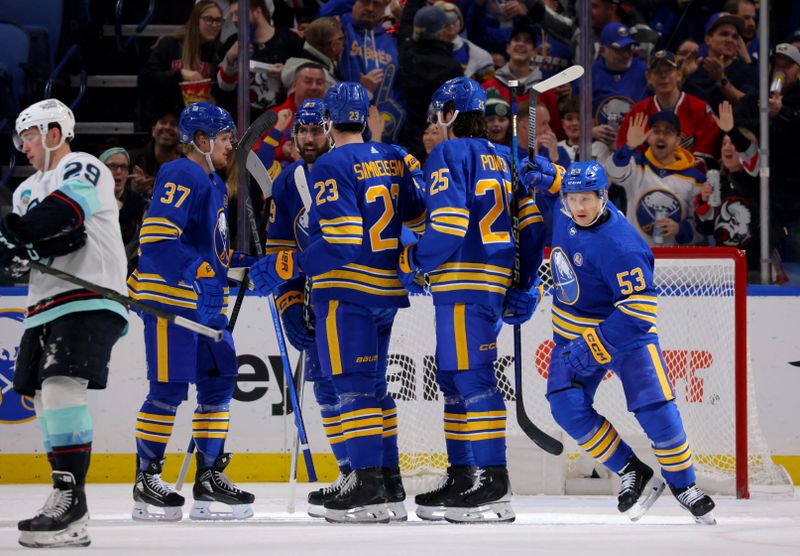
{"points": [[588, 351], [541, 174], [210, 292], [274, 269], [290, 307], [409, 272], [10, 244], [519, 305]]}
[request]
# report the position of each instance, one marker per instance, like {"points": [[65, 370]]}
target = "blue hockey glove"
{"points": [[519, 305], [541, 174], [408, 270], [274, 269], [587, 351], [290, 308], [210, 292]]}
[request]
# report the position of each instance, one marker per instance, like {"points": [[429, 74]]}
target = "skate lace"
{"points": [[57, 503], [349, 483], [691, 495], [336, 485], [480, 474], [155, 483], [223, 480], [627, 482]]}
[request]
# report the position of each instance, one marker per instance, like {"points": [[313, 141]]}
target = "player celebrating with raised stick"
{"points": [[183, 267], [604, 318], [363, 192], [65, 215], [468, 253]]}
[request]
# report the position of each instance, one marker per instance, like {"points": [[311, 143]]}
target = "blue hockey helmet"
{"points": [[465, 94], [584, 176], [205, 117], [347, 102], [310, 112]]}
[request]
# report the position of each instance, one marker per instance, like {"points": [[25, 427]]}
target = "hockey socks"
{"points": [[391, 456], [210, 429], [604, 444], [664, 428], [362, 420], [329, 407], [486, 416], [456, 435], [154, 424], [70, 434]]}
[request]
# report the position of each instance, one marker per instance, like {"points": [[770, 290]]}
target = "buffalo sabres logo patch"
{"points": [[577, 258], [564, 278]]}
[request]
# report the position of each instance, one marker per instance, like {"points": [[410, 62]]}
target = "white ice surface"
{"points": [[547, 525]]}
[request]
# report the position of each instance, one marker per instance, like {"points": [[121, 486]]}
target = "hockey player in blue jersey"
{"points": [[468, 254], [362, 194], [604, 318], [182, 268], [288, 229]]}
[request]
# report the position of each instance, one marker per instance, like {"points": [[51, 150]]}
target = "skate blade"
{"points": [[316, 510], [652, 490], [496, 512], [431, 513], [201, 511], [397, 511], [75, 534], [707, 519], [142, 512], [374, 513]]}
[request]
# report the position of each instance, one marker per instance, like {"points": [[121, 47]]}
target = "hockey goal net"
{"points": [[703, 334]]}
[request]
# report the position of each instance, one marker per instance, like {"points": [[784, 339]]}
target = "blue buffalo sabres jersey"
{"points": [[362, 194], [468, 248], [186, 220], [603, 277]]}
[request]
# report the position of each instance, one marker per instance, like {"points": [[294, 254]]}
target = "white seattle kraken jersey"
{"points": [[101, 261]]}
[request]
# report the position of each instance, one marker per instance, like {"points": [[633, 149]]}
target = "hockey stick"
{"points": [[248, 163], [538, 436], [108, 293], [287, 369]]}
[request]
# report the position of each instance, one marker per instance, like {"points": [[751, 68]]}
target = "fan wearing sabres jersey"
{"points": [[468, 254], [604, 319], [182, 268], [362, 194], [288, 229]]}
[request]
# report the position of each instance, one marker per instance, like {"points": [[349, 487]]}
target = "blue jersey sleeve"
{"points": [[412, 197], [629, 275], [335, 209], [448, 213], [532, 236], [176, 195], [280, 233]]}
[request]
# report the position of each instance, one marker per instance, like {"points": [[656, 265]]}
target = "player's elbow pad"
{"points": [[54, 216]]}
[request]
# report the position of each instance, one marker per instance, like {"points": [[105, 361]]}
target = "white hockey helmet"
{"points": [[43, 113]]}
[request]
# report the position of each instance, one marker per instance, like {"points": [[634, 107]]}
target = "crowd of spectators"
{"points": [[674, 95]]}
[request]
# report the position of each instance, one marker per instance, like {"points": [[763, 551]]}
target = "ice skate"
{"points": [[395, 494], [488, 501], [696, 502], [212, 485], [62, 520], [317, 498], [431, 505], [361, 500], [154, 500], [638, 490]]}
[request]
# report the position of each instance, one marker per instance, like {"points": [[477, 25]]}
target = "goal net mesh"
{"points": [[696, 330]]}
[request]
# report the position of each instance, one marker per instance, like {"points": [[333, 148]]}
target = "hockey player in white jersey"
{"points": [[66, 216]]}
